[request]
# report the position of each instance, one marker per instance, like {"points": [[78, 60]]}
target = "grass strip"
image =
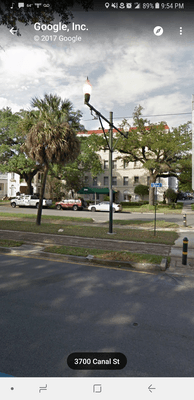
{"points": [[137, 235], [10, 243], [159, 209], [147, 223], [106, 254], [50, 218], [45, 217]]}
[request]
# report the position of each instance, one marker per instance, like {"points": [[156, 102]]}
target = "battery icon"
{"points": [[157, 5]]}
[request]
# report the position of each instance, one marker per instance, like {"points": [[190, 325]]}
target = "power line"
{"points": [[146, 116]]}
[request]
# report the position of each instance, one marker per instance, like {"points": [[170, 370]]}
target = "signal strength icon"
{"points": [[137, 5]]}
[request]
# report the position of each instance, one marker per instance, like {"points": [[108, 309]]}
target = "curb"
{"points": [[89, 260]]}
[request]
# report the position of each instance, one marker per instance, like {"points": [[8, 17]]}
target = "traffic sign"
{"points": [[156, 184]]}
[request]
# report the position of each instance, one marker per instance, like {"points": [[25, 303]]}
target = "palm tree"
{"points": [[52, 139]]}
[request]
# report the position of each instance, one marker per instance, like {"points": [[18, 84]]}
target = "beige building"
{"points": [[125, 177]]}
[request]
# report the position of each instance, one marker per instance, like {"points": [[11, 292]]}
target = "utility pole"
{"points": [[110, 172], [192, 141]]}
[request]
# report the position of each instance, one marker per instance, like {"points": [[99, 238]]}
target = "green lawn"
{"points": [[147, 223], [106, 255], [10, 243], [161, 208], [53, 218], [165, 237]]}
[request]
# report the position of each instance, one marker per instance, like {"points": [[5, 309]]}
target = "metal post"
{"points": [[193, 142], [110, 172], [184, 220], [185, 250], [155, 195]]}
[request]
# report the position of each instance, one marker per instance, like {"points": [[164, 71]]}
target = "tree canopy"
{"points": [[73, 173], [155, 146], [12, 137], [185, 174]]}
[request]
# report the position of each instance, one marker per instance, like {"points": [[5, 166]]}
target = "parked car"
{"points": [[29, 201], [188, 196], [105, 206], [73, 204], [185, 196]]}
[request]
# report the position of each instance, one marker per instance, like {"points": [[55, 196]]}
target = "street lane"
{"points": [[50, 309], [101, 216]]}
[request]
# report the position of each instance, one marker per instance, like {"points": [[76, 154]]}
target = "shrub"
{"points": [[141, 190], [126, 204], [171, 195]]}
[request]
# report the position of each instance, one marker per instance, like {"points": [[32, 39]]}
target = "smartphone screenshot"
{"points": [[96, 108]]}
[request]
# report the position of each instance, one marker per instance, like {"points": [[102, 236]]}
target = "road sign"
{"points": [[156, 184]]}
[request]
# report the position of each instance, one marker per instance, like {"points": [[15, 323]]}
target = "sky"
{"points": [[126, 63]]}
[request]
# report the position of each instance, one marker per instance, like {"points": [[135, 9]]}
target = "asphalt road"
{"points": [[101, 216], [50, 309]]}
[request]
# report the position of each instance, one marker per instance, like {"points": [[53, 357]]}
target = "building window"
{"points": [[125, 164], [12, 175], [86, 180], [114, 180], [105, 164], [114, 164], [148, 180], [135, 164], [1, 186], [95, 181], [105, 180], [125, 181], [126, 197], [136, 179]]}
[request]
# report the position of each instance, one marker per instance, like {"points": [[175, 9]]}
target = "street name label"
{"points": [[156, 184], [96, 361]]}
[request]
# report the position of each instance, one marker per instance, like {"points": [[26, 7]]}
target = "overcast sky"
{"points": [[126, 63]]}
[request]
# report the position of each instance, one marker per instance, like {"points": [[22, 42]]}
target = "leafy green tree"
{"points": [[141, 190], [53, 139], [185, 174], [157, 149], [12, 157], [73, 173]]}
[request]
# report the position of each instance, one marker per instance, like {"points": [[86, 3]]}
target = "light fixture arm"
{"points": [[105, 119]]}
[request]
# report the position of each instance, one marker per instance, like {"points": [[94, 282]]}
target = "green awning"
{"points": [[87, 190]]}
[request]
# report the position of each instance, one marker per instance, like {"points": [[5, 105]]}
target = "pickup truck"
{"points": [[29, 201]]}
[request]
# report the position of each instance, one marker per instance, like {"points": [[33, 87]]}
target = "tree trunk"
{"points": [[151, 189], [39, 214], [29, 183]]}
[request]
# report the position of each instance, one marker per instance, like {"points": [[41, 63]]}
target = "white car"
{"points": [[105, 206]]}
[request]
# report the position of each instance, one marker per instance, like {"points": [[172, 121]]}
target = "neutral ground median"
{"points": [[128, 230], [64, 226]]}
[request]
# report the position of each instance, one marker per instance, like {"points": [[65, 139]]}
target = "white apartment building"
{"points": [[9, 184], [125, 177]]}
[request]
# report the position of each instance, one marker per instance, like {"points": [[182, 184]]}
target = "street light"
{"points": [[87, 89]]}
